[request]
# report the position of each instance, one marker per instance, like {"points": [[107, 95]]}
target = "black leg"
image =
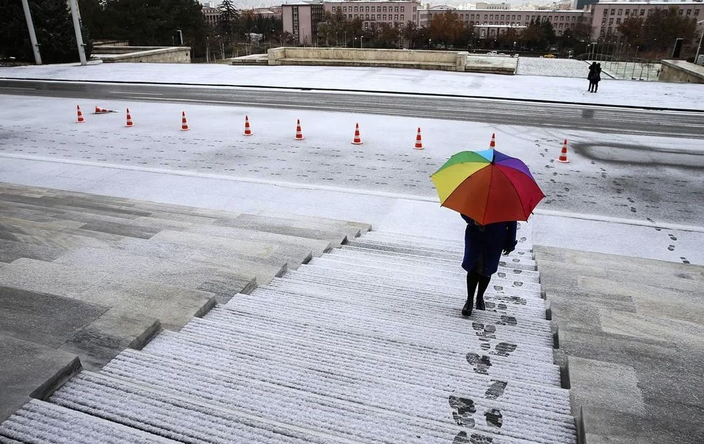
{"points": [[483, 285], [472, 281]]}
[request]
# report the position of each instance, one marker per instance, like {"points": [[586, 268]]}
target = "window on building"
{"points": [[611, 21], [642, 12], [618, 21], [403, 18], [491, 16], [502, 17], [519, 18], [384, 16], [396, 17], [403, 9], [696, 12], [603, 21], [366, 9], [366, 16], [562, 18], [613, 12], [366, 25], [395, 8], [378, 16], [625, 12], [689, 12], [356, 9], [344, 9], [485, 16], [384, 10], [681, 11]]}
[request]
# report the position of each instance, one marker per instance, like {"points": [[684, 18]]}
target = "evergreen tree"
{"points": [[229, 22]]}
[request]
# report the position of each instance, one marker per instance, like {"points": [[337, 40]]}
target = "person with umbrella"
{"points": [[492, 191], [483, 245]]}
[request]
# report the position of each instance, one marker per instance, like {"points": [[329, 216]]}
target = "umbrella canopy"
{"points": [[487, 186]]}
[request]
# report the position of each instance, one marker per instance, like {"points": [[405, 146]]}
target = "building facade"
{"points": [[391, 12], [490, 23], [301, 20], [606, 16]]}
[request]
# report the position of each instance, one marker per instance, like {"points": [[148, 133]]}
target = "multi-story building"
{"points": [[490, 23], [606, 16], [392, 12], [301, 19]]}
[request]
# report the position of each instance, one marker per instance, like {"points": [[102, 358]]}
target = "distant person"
{"points": [[591, 76], [597, 77], [483, 245]]}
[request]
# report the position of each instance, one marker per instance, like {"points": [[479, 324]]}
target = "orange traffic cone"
{"points": [[419, 143], [129, 119], [184, 122], [247, 129], [79, 115], [99, 110], [492, 144], [563, 153], [357, 139], [299, 134]]}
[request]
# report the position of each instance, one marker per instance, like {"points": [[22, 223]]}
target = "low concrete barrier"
{"points": [[143, 54], [394, 58], [681, 71]]}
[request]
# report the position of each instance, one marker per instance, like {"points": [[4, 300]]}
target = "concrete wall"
{"points": [[681, 71], [143, 54], [443, 60]]}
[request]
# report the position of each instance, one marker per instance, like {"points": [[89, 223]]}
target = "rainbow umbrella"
{"points": [[487, 186]]}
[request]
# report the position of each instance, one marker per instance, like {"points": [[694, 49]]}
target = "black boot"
{"points": [[480, 303], [483, 285], [467, 309]]}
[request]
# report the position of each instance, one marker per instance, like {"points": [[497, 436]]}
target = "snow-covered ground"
{"points": [[532, 87], [593, 204]]}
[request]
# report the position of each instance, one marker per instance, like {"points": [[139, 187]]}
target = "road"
{"points": [[601, 119]]}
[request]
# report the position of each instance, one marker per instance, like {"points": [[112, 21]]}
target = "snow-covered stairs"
{"points": [[363, 345]]}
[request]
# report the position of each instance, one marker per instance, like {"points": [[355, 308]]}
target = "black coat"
{"points": [[487, 242]]}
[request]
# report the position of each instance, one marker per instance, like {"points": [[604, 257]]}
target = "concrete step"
{"points": [[269, 301], [310, 409], [524, 235], [518, 259], [12, 250], [314, 246], [479, 332], [42, 422], [293, 227], [453, 274], [422, 264], [442, 295], [352, 229], [503, 364], [357, 379], [431, 251], [402, 279], [398, 300], [173, 305], [178, 417], [168, 270]]}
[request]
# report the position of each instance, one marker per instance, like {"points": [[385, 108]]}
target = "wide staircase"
{"points": [[363, 343]]}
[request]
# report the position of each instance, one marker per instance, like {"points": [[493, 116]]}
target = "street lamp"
{"points": [[180, 36], [361, 40], [699, 45], [430, 43]]}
